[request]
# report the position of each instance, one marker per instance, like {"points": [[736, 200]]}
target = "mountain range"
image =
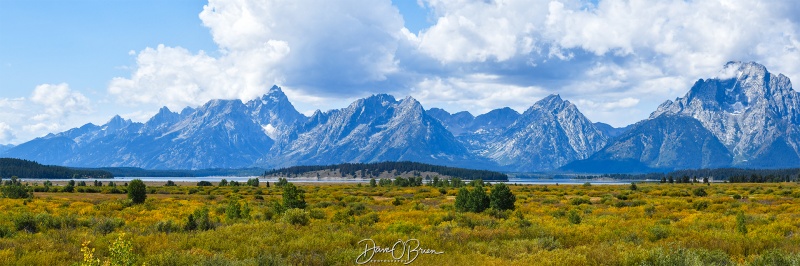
{"points": [[745, 117]]}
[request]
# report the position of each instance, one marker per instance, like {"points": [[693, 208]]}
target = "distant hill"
{"points": [[30, 169], [386, 170], [139, 172]]}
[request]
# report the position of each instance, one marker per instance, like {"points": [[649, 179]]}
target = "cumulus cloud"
{"points": [[317, 47], [477, 93], [58, 101], [50, 108], [478, 31], [6, 134], [175, 77], [616, 59], [690, 37]]}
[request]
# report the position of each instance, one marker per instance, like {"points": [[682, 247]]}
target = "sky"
{"points": [[67, 63]]}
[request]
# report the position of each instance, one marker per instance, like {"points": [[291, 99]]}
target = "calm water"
{"points": [[525, 181]]}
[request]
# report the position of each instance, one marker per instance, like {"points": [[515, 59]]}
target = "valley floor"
{"points": [[655, 224]]}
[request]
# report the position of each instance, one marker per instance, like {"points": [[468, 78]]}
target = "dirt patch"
{"points": [[380, 198]]}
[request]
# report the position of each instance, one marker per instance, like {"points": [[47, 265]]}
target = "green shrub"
{"points": [[317, 214], [658, 232], [574, 217], [776, 257], [741, 223], [137, 191], [548, 243], [6, 232], [580, 200], [700, 205], [15, 192], [106, 226], [293, 197], [296, 216], [121, 252], [650, 210], [233, 211], [167, 227], [700, 192], [26, 222], [343, 216], [369, 219]]}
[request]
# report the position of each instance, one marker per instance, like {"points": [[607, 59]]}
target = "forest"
{"points": [[31, 170], [367, 170], [468, 223]]}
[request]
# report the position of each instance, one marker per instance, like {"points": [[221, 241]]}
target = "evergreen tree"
{"points": [[478, 201], [501, 197], [461, 200]]}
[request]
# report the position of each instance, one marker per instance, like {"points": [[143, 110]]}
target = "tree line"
{"points": [[29, 169], [397, 168], [732, 175]]}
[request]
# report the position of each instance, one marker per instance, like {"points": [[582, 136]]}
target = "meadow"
{"points": [[645, 224]]}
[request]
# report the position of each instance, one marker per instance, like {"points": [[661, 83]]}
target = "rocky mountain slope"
{"points": [[744, 117], [551, 133], [752, 114]]}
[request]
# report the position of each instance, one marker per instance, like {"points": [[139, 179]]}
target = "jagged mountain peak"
{"points": [[553, 102], [743, 71], [380, 98], [164, 110], [274, 95], [117, 122], [275, 113], [746, 107], [162, 120], [187, 111]]}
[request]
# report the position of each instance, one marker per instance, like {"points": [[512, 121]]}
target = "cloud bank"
{"points": [[615, 59]]}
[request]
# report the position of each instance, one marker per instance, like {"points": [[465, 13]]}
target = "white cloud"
{"points": [[58, 101], [6, 133], [648, 50], [319, 47], [616, 59], [477, 93], [479, 31], [689, 37], [609, 105], [176, 78]]}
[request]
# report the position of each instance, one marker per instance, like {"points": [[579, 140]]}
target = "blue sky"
{"points": [[66, 63]]}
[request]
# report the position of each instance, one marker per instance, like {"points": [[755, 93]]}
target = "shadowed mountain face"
{"points": [[745, 117], [665, 142], [752, 112]]}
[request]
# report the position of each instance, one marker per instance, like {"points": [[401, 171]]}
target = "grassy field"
{"points": [[655, 224]]}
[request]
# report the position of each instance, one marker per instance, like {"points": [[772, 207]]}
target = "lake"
{"points": [[521, 181]]}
